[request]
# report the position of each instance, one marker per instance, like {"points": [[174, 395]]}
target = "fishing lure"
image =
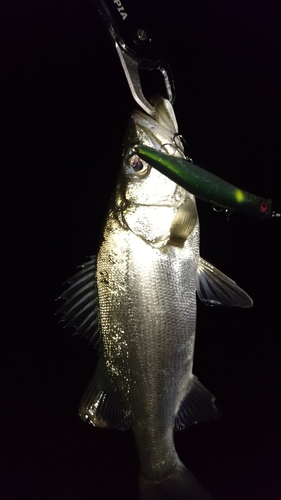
{"points": [[205, 185]]}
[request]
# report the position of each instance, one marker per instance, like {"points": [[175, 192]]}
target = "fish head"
{"points": [[149, 203]]}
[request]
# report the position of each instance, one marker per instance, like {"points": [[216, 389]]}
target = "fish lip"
{"points": [[150, 132], [148, 122], [156, 132], [140, 118]]}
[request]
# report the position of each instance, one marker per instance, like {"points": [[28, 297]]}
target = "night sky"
{"points": [[65, 107]]}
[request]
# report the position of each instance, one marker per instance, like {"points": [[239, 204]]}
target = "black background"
{"points": [[65, 108]]}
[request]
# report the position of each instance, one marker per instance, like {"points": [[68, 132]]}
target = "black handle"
{"points": [[132, 33]]}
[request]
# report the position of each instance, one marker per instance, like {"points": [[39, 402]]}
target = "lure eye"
{"points": [[263, 207]]}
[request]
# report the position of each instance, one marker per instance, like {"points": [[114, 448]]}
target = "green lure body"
{"points": [[205, 185]]}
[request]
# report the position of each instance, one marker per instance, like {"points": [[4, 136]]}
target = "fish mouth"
{"points": [[161, 132], [150, 133]]}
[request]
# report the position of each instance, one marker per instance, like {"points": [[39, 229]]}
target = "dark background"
{"points": [[65, 105]]}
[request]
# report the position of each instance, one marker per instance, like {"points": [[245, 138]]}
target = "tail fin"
{"points": [[180, 485]]}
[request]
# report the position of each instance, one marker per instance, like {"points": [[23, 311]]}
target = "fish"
{"points": [[136, 302]]}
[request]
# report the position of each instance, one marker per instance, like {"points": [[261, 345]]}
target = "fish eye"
{"points": [[136, 166]]}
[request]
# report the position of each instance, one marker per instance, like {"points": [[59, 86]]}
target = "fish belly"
{"points": [[147, 302]]}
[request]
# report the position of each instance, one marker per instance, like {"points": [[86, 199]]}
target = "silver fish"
{"points": [[137, 303]]}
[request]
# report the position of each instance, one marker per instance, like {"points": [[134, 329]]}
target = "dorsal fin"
{"points": [[81, 306], [100, 405], [216, 289], [197, 406]]}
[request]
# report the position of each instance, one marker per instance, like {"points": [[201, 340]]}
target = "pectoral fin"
{"points": [[100, 405], [215, 288], [183, 223], [81, 303]]}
